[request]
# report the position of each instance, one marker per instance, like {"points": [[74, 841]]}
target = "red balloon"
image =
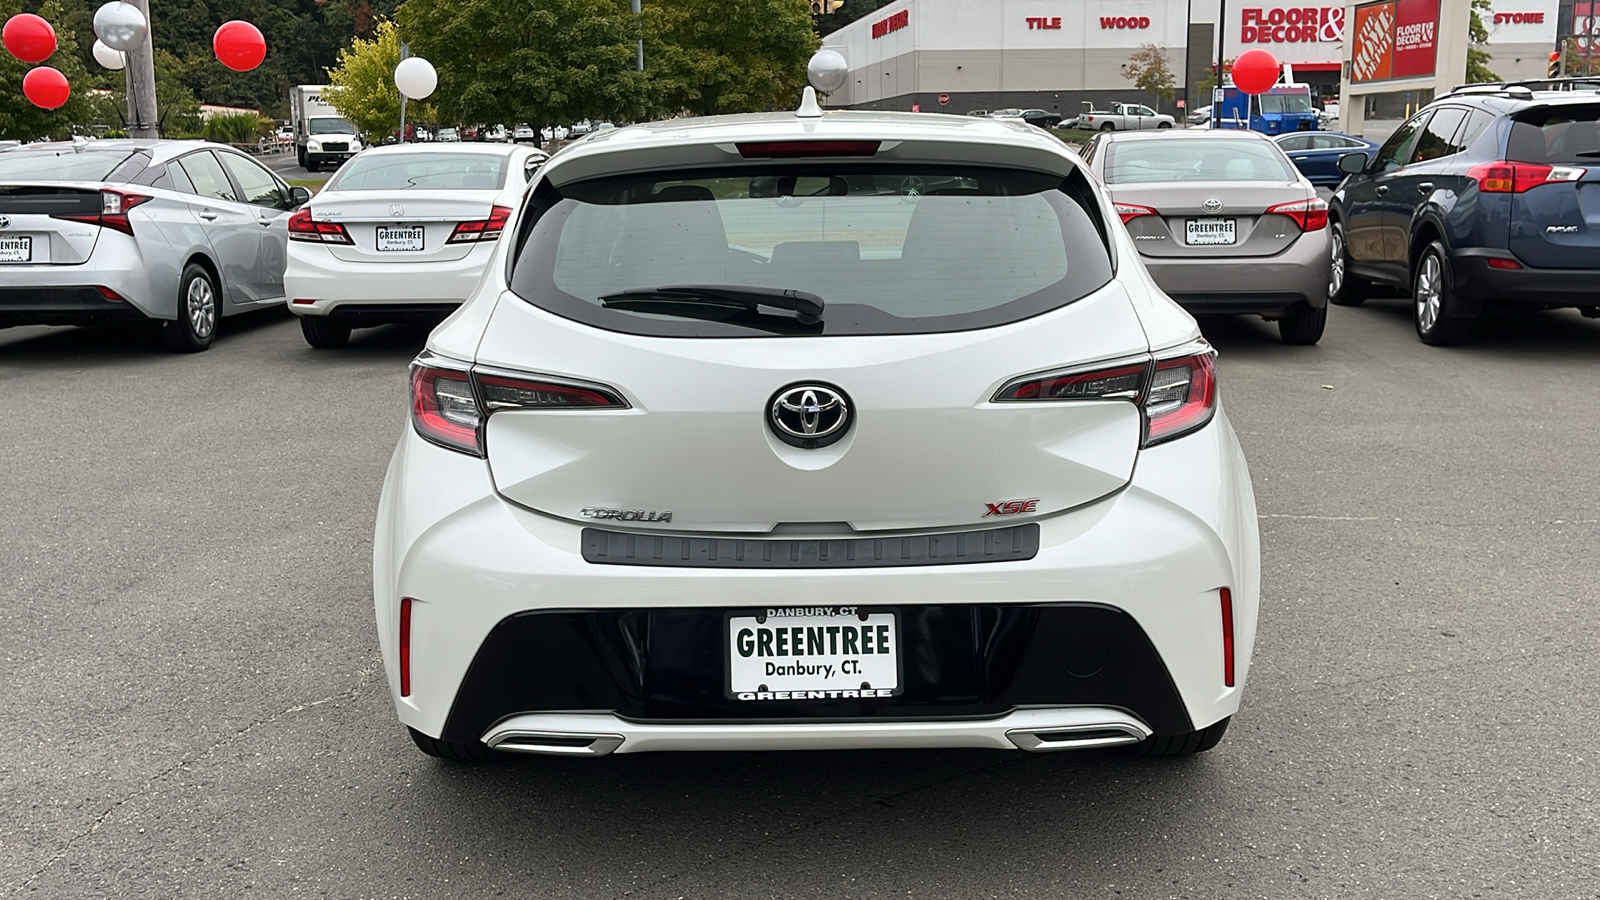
{"points": [[239, 45], [1255, 71], [45, 87], [29, 38]]}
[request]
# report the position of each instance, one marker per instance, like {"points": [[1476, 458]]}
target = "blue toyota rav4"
{"points": [[1488, 196]]}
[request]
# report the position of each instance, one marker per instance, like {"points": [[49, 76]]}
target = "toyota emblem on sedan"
{"points": [[1212, 205], [809, 415], [5, 221]]}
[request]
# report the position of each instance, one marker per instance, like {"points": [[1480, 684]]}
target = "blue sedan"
{"points": [[1316, 153]]}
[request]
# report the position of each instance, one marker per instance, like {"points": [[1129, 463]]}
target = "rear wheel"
{"points": [[1108, 127], [1434, 300], [452, 750], [323, 334], [198, 307], [1175, 745], [1344, 287], [1304, 326]]}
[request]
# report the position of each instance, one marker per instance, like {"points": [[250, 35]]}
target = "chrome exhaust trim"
{"points": [[1033, 730]]}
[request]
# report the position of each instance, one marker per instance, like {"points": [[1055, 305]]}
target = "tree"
{"points": [[1477, 57], [21, 120], [1150, 72], [715, 58], [364, 79]]}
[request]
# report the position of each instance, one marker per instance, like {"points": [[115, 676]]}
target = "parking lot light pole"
{"points": [[637, 9]]}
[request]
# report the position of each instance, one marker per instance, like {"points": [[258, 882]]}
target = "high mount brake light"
{"points": [[1176, 395], [1515, 177], [450, 407], [805, 149], [114, 206], [1310, 215], [302, 228], [1129, 211], [482, 229]]}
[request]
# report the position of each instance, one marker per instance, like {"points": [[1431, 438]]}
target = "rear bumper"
{"points": [[1475, 282], [332, 285], [1298, 275], [67, 305], [43, 294]]}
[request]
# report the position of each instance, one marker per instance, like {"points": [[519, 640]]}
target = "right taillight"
{"points": [[450, 406], [1176, 392], [1130, 211], [303, 228], [1310, 215], [1515, 177]]}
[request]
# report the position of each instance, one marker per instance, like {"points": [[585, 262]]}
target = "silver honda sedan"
{"points": [[181, 232], [1224, 223]]}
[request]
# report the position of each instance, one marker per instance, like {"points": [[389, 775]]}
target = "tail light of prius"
{"points": [[1175, 391], [451, 404], [303, 228], [482, 229], [1310, 215], [1515, 177], [113, 214]]}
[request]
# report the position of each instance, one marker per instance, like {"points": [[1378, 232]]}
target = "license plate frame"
{"points": [[24, 245], [413, 239], [742, 677], [1226, 235]]}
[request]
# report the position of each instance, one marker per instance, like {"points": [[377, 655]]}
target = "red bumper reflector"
{"points": [[1227, 637], [299, 302], [1496, 262], [109, 294], [405, 647]]}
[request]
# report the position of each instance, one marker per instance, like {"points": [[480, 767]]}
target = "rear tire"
{"points": [[1433, 300], [199, 307], [455, 751], [1170, 746], [1345, 288], [1304, 326], [323, 334], [1108, 127]]}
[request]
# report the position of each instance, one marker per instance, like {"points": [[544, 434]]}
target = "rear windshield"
{"points": [[429, 171], [59, 165], [1556, 134], [1192, 159], [889, 249]]}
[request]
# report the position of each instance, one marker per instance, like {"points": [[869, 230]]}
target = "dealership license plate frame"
{"points": [[897, 659], [1230, 232], [416, 234], [7, 256]]}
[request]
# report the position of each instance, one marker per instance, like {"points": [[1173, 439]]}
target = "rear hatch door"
{"points": [[1556, 222], [412, 226], [35, 228]]}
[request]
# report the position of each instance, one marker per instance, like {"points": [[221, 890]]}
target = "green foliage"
{"points": [[233, 128], [715, 58], [19, 119], [1477, 57], [364, 77], [1150, 72]]}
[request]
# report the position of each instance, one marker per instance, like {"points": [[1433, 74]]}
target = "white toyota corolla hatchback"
{"points": [[835, 431]]}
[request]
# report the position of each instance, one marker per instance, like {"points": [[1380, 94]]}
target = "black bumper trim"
{"points": [[390, 313], [1240, 302], [613, 548], [1476, 283], [63, 306], [960, 661]]}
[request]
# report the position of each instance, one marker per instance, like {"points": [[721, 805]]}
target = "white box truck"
{"points": [[321, 136]]}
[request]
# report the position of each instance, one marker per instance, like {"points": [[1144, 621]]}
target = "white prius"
{"points": [[401, 233], [811, 431]]}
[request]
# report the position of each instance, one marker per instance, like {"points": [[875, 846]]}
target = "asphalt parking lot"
{"points": [[195, 707]]}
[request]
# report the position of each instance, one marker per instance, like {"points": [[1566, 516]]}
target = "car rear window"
{"points": [[428, 171], [1556, 134], [1193, 159], [63, 164], [890, 249]]}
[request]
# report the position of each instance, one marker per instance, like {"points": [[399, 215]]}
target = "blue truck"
{"points": [[1282, 109]]}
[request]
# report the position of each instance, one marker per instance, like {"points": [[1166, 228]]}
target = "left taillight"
{"points": [[1175, 391], [113, 214], [450, 406], [1310, 215], [482, 229], [303, 228]]}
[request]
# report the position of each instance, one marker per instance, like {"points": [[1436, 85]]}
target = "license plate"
{"points": [[813, 653], [16, 249], [1211, 231], [400, 238]]}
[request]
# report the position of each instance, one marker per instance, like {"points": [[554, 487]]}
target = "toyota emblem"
{"points": [[809, 415], [5, 221], [1212, 205]]}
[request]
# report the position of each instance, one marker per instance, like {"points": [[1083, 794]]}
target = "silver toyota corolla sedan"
{"points": [[1224, 223], [181, 232]]}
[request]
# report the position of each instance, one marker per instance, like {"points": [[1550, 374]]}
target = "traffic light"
{"points": [[1554, 69]]}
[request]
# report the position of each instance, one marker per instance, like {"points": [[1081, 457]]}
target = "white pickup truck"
{"points": [[1122, 117]]}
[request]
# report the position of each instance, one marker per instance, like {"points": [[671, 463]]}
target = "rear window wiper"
{"points": [[807, 308]]}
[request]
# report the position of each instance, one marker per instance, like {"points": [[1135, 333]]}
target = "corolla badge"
{"points": [[809, 415]]}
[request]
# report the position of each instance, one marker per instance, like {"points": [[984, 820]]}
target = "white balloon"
{"points": [[111, 59], [416, 77], [827, 71], [120, 25]]}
